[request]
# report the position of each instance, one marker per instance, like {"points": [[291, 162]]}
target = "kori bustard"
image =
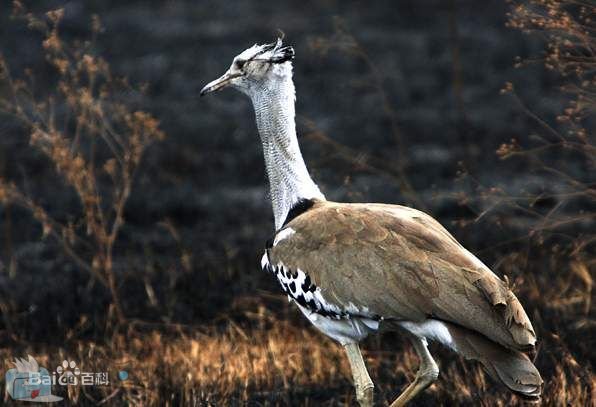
{"points": [[353, 269]]}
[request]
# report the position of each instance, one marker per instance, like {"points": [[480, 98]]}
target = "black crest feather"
{"points": [[280, 53]]}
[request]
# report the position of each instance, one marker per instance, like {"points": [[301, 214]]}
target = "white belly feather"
{"points": [[345, 330], [345, 324]]}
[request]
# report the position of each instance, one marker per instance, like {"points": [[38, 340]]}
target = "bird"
{"points": [[356, 269]]}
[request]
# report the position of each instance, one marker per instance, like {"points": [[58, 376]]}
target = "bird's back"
{"points": [[400, 264]]}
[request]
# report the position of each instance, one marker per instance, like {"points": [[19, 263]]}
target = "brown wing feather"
{"points": [[400, 263]]}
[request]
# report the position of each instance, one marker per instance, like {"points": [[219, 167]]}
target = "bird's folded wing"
{"points": [[400, 263]]}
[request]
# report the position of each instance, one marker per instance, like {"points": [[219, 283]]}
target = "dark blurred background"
{"points": [[420, 101]]}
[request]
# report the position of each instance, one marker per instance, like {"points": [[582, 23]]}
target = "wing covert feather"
{"points": [[400, 263]]}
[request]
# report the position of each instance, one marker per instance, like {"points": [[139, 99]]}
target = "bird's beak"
{"points": [[218, 84]]}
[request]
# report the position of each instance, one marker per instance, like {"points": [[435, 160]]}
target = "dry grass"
{"points": [[207, 366], [88, 134], [272, 361]]}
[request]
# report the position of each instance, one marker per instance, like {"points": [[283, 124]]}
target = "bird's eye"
{"points": [[240, 64]]}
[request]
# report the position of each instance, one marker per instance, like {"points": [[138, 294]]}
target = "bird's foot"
{"points": [[364, 395]]}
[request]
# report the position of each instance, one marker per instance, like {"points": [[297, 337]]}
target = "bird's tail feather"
{"points": [[512, 368]]}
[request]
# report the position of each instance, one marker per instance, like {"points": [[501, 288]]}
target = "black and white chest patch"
{"points": [[345, 322], [300, 288]]}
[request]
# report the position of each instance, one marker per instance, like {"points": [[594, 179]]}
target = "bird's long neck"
{"points": [[289, 179]]}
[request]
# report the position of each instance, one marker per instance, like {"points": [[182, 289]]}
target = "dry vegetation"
{"points": [[88, 134], [260, 350]]}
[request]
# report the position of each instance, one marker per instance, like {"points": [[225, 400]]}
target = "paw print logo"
{"points": [[68, 373]]}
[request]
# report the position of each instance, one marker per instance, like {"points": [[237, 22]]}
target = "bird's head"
{"points": [[258, 68]]}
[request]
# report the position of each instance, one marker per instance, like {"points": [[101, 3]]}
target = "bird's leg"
{"points": [[427, 373], [362, 382]]}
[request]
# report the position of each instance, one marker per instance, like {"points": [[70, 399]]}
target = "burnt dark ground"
{"points": [[207, 178]]}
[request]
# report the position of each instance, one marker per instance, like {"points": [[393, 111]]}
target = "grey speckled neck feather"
{"points": [[289, 179]]}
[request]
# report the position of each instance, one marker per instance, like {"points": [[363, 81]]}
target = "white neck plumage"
{"points": [[289, 179]]}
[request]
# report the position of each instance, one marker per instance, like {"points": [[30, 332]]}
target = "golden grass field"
{"points": [[275, 358]]}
